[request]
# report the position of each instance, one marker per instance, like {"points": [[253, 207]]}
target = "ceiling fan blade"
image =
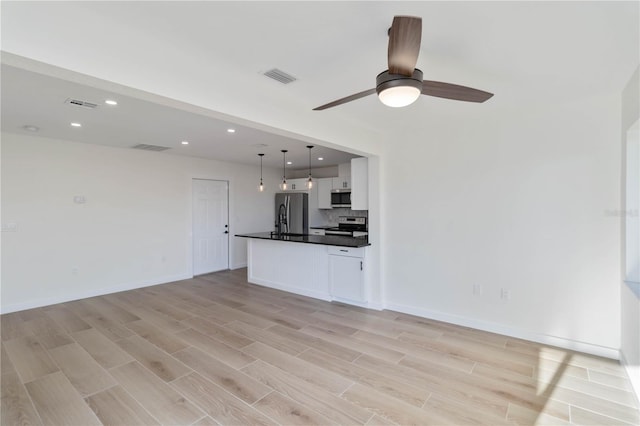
{"points": [[454, 91], [404, 44], [345, 100]]}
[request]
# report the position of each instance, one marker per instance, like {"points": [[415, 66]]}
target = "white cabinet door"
{"points": [[325, 185], [359, 184], [344, 169], [343, 182], [297, 184], [346, 278]]}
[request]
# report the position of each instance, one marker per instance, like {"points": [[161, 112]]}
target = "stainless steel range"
{"points": [[349, 226]]}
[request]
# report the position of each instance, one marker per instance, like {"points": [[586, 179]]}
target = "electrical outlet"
{"points": [[477, 289], [9, 227], [505, 294]]}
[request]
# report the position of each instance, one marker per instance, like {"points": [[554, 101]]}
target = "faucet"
{"points": [[282, 218]]}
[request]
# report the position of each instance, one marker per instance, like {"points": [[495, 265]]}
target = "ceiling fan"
{"points": [[402, 83]]}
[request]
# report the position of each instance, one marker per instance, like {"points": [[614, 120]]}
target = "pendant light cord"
{"points": [[284, 162], [261, 186], [309, 179], [283, 185]]}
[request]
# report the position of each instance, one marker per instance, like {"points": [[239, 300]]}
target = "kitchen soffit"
{"points": [[34, 99]]}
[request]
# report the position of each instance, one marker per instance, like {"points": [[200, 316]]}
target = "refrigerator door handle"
{"points": [[287, 209]]}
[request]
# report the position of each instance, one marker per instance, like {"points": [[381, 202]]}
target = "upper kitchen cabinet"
{"points": [[297, 184], [352, 177], [342, 182], [325, 185], [360, 184]]}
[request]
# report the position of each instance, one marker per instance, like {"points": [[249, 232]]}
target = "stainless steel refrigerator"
{"points": [[292, 213]]}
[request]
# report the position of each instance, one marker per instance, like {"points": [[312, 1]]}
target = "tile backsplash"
{"points": [[331, 216]]}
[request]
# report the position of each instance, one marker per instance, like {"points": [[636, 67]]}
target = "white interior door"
{"points": [[210, 226]]}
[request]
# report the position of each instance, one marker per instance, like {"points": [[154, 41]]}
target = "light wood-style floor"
{"points": [[216, 350]]}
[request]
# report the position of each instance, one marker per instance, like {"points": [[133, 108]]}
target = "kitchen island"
{"points": [[318, 266], [327, 240]]}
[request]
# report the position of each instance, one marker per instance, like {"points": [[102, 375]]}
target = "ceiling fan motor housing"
{"points": [[385, 80]]}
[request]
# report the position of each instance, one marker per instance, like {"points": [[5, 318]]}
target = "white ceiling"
{"points": [[212, 55], [34, 99]]}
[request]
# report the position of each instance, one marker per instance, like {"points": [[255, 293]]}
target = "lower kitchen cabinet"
{"points": [[346, 275], [319, 271]]}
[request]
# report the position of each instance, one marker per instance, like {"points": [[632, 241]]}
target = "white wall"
{"points": [[137, 212], [630, 294], [519, 200]]}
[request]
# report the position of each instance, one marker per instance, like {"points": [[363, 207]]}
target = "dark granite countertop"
{"points": [[327, 240]]}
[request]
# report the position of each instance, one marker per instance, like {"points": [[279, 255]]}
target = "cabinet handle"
{"points": [[361, 265], [346, 251]]}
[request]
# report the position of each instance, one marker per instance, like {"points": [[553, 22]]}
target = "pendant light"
{"points": [[310, 180], [261, 186], [283, 185]]}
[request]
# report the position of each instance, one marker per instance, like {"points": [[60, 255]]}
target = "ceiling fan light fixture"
{"points": [[396, 90], [399, 96]]}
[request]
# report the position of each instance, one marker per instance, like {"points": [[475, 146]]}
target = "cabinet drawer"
{"points": [[347, 251], [316, 231]]}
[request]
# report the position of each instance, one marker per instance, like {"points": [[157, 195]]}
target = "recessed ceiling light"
{"points": [[76, 125], [110, 102], [31, 127], [231, 130], [289, 162], [320, 158], [185, 142]]}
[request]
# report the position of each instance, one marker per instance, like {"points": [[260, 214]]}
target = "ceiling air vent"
{"points": [[80, 103], [281, 76], [146, 147]]}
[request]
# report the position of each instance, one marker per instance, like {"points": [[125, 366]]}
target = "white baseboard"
{"points": [[375, 305], [46, 301], [518, 333], [238, 266], [302, 292], [633, 371]]}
